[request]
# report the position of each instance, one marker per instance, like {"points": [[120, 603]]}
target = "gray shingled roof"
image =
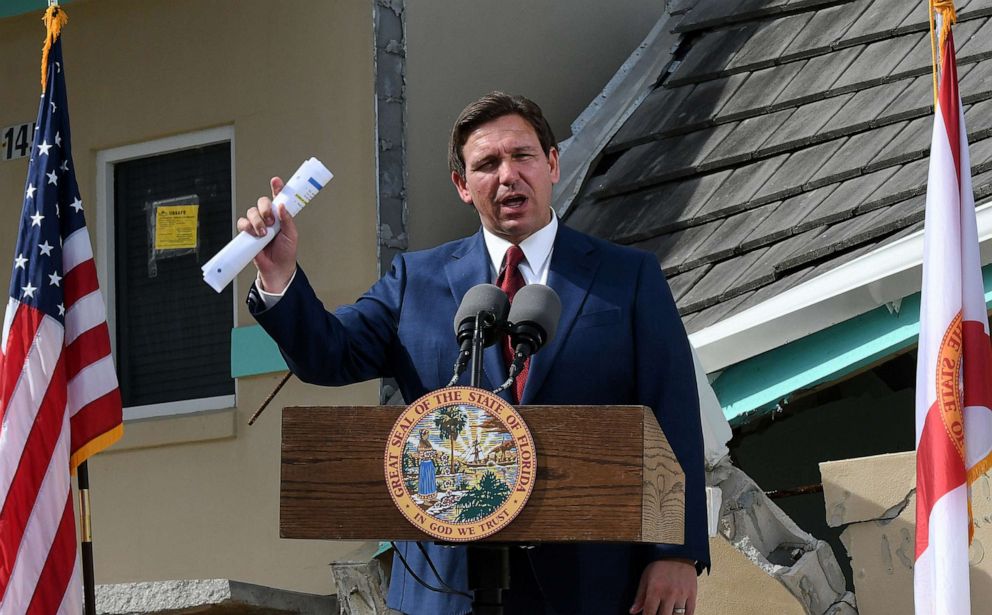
{"points": [[787, 137]]}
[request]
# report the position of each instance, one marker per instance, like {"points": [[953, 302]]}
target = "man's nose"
{"points": [[508, 173]]}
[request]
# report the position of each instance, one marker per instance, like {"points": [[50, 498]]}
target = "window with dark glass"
{"points": [[172, 212]]}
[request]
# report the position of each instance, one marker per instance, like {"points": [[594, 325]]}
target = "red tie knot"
{"points": [[513, 257]]}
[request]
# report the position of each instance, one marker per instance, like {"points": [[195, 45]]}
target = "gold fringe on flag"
{"points": [[948, 17], [54, 19]]}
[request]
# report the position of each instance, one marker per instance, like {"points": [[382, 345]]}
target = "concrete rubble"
{"points": [[759, 529], [207, 597], [361, 587]]}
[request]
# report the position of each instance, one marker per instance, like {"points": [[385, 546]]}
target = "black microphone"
{"points": [[533, 318], [531, 324], [487, 304]]}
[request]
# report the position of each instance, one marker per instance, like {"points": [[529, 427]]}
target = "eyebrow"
{"points": [[520, 149]]}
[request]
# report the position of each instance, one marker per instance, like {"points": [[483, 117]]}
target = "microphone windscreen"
{"points": [[537, 304], [482, 298]]}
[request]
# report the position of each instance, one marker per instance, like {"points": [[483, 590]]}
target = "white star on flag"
{"points": [[58, 139], [53, 106], [28, 290], [37, 218], [43, 148], [31, 191], [54, 279], [20, 261], [77, 205], [52, 178], [45, 248], [65, 165], [61, 310]]}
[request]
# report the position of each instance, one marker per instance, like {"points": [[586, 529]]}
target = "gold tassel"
{"points": [[948, 17], [54, 19]]}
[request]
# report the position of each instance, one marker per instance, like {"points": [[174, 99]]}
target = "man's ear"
{"points": [[461, 186], [553, 163]]}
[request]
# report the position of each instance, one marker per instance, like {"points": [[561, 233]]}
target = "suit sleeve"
{"points": [[666, 382], [352, 344]]}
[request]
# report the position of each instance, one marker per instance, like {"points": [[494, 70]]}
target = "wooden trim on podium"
{"points": [[604, 474]]}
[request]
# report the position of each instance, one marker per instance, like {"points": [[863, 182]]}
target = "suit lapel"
{"points": [[469, 266], [573, 267]]}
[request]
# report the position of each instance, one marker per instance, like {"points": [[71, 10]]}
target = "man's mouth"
{"points": [[513, 202]]}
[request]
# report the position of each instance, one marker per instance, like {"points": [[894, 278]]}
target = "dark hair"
{"points": [[492, 106]]}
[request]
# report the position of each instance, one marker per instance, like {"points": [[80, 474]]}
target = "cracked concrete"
{"points": [[763, 533], [874, 500]]}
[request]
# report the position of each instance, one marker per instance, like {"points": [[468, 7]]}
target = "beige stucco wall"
{"points": [[874, 497], [294, 79], [738, 587], [560, 54]]}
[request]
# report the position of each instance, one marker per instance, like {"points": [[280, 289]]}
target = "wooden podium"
{"points": [[604, 474]]}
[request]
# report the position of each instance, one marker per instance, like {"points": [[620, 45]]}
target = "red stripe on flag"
{"points": [[79, 282], [19, 341], [948, 101], [31, 470], [89, 347], [977, 365], [58, 568], [96, 418], [939, 469]]}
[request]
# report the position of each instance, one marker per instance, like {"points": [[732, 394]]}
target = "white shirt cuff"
{"points": [[269, 300]]}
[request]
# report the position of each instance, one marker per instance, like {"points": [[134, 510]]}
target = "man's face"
{"points": [[508, 177]]}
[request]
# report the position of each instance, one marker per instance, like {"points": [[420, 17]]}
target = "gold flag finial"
{"points": [[54, 19]]}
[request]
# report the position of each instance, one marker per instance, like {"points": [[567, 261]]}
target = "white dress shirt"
{"points": [[537, 252]]}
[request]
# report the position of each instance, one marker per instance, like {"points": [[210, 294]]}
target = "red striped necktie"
{"points": [[510, 280]]}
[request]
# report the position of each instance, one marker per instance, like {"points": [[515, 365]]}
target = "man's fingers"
{"points": [[638, 605], [652, 600], [690, 605], [253, 222], [264, 207], [287, 222], [276, 184]]}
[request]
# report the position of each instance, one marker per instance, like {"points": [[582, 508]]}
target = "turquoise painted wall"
{"points": [[9, 8], [760, 383]]}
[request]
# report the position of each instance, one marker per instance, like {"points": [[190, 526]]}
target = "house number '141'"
{"points": [[15, 141]]}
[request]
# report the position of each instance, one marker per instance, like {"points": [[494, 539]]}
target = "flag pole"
{"points": [[86, 538]]}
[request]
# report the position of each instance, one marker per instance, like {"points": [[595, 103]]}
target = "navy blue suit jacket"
{"points": [[620, 341]]}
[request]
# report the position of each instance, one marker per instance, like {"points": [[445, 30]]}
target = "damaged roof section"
{"points": [[787, 138]]}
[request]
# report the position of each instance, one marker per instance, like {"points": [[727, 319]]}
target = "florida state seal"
{"points": [[460, 464]]}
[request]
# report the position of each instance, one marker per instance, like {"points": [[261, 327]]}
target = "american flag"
{"points": [[59, 399]]}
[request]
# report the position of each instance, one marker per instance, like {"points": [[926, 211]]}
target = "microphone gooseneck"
{"points": [[531, 324], [483, 310]]}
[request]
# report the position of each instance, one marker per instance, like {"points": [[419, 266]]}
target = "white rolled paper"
{"points": [[308, 180]]}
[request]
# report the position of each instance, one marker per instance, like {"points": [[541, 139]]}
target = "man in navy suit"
{"points": [[620, 341]]}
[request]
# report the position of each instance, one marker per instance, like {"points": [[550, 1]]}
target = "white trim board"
{"points": [[881, 277]]}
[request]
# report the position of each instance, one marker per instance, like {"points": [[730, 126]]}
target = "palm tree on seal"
{"points": [[450, 421]]}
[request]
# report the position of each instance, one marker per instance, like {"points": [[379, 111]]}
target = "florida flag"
{"points": [[954, 369]]}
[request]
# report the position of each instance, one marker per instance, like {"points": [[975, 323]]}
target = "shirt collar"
{"points": [[537, 248]]}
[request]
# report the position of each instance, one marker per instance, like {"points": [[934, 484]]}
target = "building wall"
{"points": [[197, 496], [874, 500], [559, 54]]}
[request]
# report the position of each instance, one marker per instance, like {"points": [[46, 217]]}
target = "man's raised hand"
{"points": [[276, 263]]}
